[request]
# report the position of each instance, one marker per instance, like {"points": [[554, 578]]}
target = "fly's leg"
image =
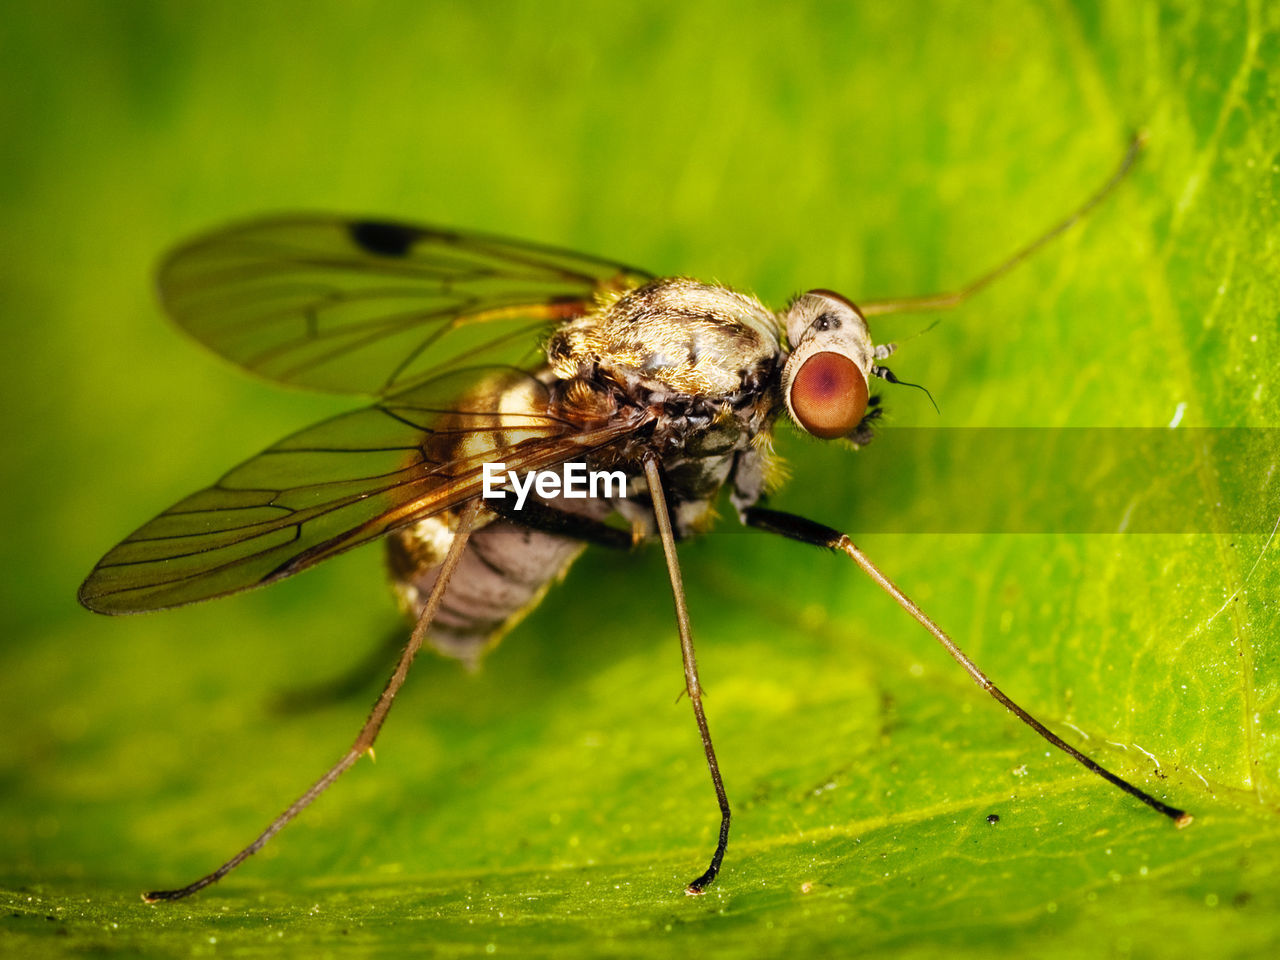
{"points": [[807, 531], [945, 301], [691, 684], [368, 733]]}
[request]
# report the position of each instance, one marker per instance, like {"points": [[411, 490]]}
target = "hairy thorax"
{"points": [[696, 339]]}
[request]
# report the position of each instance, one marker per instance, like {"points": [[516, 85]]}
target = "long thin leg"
{"points": [[368, 733], [806, 531], [944, 301], [691, 685]]}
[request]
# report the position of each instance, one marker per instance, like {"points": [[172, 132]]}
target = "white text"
{"points": [[576, 482]]}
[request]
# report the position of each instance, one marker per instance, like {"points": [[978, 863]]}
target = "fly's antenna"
{"points": [[887, 375]]}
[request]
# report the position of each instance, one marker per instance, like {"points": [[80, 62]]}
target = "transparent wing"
{"points": [[341, 483], [371, 306]]}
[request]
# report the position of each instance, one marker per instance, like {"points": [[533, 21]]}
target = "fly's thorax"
{"points": [[704, 361], [696, 339]]}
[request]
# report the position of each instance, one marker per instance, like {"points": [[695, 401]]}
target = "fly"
{"points": [[483, 351]]}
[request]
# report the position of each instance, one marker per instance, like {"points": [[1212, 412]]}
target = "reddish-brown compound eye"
{"points": [[829, 395]]}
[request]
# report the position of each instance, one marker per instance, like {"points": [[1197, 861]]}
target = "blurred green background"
{"points": [[556, 802]]}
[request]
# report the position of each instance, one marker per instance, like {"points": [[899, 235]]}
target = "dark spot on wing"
{"points": [[383, 239]]}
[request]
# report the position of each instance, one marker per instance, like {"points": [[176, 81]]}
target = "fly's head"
{"points": [[832, 359]]}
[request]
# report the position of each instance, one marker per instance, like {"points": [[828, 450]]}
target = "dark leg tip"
{"points": [[697, 888], [160, 896]]}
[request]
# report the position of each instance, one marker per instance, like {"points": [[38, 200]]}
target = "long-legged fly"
{"points": [[482, 350]]}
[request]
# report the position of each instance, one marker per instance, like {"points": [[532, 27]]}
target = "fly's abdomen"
{"points": [[503, 573]]}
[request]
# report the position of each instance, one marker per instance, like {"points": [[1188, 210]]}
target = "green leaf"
{"points": [[557, 802]]}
